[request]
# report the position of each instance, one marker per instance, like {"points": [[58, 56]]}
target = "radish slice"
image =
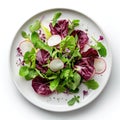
{"points": [[56, 65], [100, 65], [25, 46], [86, 47], [54, 40]]}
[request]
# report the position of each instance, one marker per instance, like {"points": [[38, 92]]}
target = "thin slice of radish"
{"points": [[25, 46], [54, 40], [56, 65], [100, 65], [86, 47]]}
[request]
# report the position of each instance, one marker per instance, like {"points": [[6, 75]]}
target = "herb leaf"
{"points": [[102, 51], [73, 100], [55, 18], [23, 71], [91, 84], [24, 35], [73, 24], [35, 26], [100, 47], [39, 43], [68, 42]]}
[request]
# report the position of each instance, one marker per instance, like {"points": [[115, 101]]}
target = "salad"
{"points": [[60, 58]]}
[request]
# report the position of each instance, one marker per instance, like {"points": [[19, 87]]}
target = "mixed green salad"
{"points": [[60, 58]]}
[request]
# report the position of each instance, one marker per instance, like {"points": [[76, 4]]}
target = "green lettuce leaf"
{"points": [[46, 31], [91, 84], [54, 84], [100, 48], [68, 42], [55, 18], [39, 43], [35, 26]]}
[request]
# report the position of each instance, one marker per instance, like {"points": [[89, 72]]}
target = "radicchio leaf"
{"points": [[61, 28], [82, 38], [41, 86], [41, 59], [85, 67], [90, 53]]}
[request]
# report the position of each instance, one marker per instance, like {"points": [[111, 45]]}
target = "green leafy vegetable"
{"points": [[46, 31], [100, 47], [27, 72], [73, 100], [23, 71], [71, 78], [76, 53], [35, 26], [74, 91], [54, 84], [39, 43], [32, 74], [68, 42], [74, 82], [30, 58], [91, 84], [66, 73], [40, 74], [55, 18], [25, 35], [72, 26], [60, 88]]}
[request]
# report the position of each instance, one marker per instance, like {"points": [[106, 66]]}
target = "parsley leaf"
{"points": [[35, 26], [55, 18], [73, 100], [91, 84]]}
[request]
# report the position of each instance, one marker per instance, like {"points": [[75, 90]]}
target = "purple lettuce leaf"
{"points": [[61, 28], [41, 59], [41, 86], [90, 53], [82, 38], [85, 67]]}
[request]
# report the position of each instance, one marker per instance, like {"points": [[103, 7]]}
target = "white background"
{"points": [[13, 13]]}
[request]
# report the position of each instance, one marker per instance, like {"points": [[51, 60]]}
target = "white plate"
{"points": [[58, 102]]}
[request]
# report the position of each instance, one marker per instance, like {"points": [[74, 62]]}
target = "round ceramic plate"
{"points": [[58, 102]]}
